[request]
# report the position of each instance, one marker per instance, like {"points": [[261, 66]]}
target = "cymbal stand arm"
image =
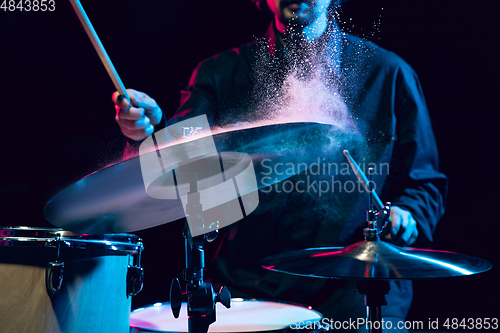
{"points": [[371, 232], [200, 295], [376, 220]]}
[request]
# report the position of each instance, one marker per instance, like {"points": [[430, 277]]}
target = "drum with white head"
{"points": [[242, 316], [55, 281]]}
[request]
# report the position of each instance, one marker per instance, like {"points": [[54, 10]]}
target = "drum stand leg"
{"points": [[200, 295], [374, 292]]}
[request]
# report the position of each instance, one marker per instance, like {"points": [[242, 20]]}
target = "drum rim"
{"points": [[236, 299], [240, 299], [24, 236]]}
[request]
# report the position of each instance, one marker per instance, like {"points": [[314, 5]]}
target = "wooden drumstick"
{"points": [[363, 180], [87, 25]]}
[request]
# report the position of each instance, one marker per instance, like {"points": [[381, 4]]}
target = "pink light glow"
{"points": [[326, 254]]}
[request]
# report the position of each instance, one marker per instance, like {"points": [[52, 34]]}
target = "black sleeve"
{"points": [[199, 97], [414, 181]]}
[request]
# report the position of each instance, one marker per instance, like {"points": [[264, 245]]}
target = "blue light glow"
{"points": [[453, 267]]}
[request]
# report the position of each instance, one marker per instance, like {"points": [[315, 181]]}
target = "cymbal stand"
{"points": [[200, 295], [374, 291]]}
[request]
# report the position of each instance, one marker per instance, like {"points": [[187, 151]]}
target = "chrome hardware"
{"points": [[135, 273], [54, 271], [376, 219], [54, 277], [213, 233], [176, 297]]}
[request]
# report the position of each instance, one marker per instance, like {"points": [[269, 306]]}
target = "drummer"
{"points": [[304, 57]]}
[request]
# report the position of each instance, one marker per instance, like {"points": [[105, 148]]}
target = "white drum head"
{"points": [[243, 316]]}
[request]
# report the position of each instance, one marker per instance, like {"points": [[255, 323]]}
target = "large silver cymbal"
{"points": [[114, 199], [376, 260]]}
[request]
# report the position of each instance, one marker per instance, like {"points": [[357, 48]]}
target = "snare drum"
{"points": [[242, 316], [54, 281]]}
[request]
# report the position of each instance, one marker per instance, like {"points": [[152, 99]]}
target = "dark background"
{"points": [[57, 118]]}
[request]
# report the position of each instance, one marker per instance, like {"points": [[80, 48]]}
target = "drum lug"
{"points": [[55, 270], [135, 274], [54, 277], [135, 280]]}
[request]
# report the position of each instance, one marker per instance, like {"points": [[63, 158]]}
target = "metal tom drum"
{"points": [[243, 316], [57, 281]]}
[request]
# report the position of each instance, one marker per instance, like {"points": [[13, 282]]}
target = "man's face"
{"points": [[298, 12]]}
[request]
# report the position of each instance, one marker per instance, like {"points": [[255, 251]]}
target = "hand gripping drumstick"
{"points": [[84, 19], [363, 180]]}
